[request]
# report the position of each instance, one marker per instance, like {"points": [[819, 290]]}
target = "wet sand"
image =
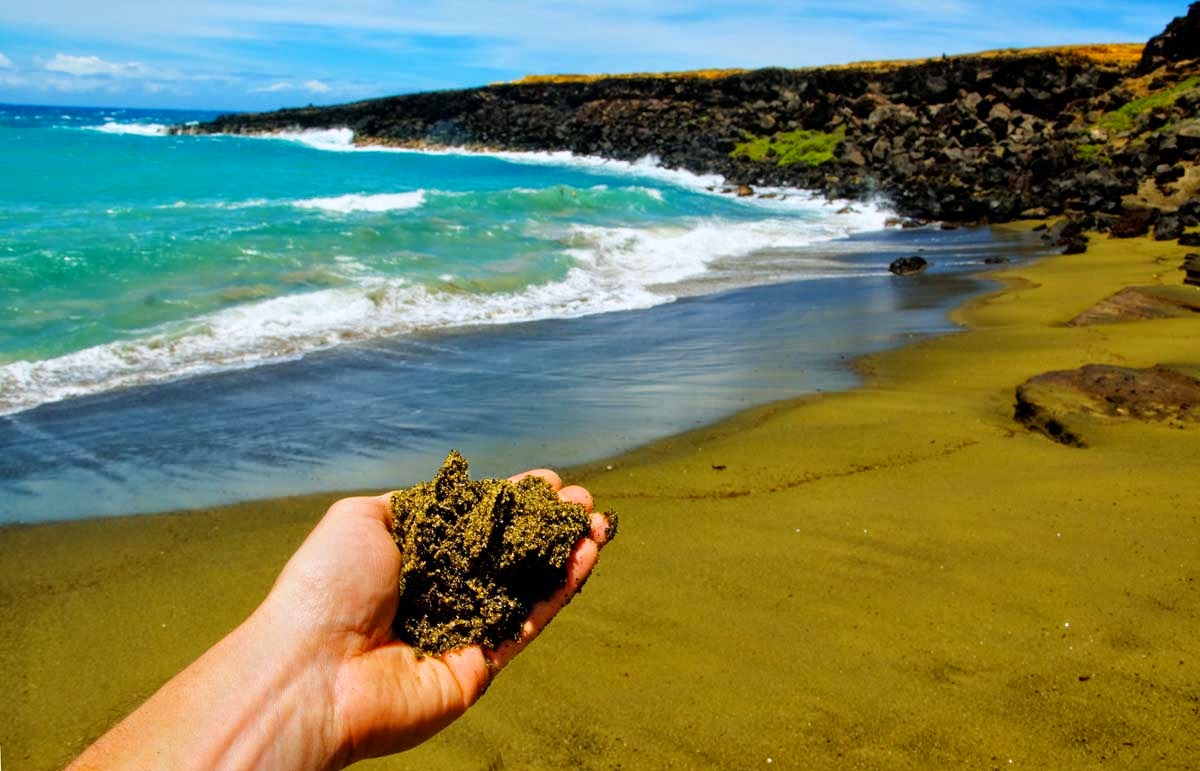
{"points": [[896, 576]]}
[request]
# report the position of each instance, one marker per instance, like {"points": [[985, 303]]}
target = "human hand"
{"points": [[343, 579], [315, 677]]}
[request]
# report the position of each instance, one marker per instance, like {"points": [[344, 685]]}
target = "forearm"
{"points": [[254, 700]]}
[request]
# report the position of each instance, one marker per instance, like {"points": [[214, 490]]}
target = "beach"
{"points": [[897, 575]]}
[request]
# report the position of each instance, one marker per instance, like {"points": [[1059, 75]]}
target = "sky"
{"points": [[266, 54]]}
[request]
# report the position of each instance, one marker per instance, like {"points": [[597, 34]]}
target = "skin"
{"points": [[314, 678]]}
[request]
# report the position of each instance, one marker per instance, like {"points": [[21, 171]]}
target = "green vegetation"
{"points": [[1088, 153], [1122, 118], [811, 148]]}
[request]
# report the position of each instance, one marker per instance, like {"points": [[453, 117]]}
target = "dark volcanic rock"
{"points": [[1067, 233], [964, 139], [1191, 268], [958, 139], [1168, 227], [1077, 245], [1179, 41], [907, 266], [1131, 224]]}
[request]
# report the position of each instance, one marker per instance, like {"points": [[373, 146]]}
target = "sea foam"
{"points": [[614, 269], [363, 202], [648, 167], [138, 129], [605, 267], [334, 140]]}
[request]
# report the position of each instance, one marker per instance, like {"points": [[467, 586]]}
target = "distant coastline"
{"points": [[1092, 132]]}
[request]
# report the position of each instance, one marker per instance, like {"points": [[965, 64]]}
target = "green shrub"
{"points": [[1086, 153], [1122, 118], [811, 148]]}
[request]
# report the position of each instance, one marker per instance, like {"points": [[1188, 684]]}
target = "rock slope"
{"points": [[1102, 130]]}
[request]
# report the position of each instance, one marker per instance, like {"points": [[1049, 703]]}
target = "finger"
{"points": [[577, 494], [550, 477], [583, 559], [472, 671], [601, 528], [374, 507]]}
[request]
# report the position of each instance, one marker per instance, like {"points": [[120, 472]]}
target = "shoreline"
{"points": [[505, 395], [915, 578]]}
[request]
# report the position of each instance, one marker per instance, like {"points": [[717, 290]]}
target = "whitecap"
{"points": [[363, 202], [867, 214], [335, 139], [138, 129], [615, 268]]}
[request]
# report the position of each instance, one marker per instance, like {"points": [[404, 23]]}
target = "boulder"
{"points": [[1191, 268], [1077, 245], [1063, 232], [907, 266], [1168, 227], [1131, 224]]}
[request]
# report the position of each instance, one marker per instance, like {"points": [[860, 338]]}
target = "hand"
{"points": [[315, 678], [345, 578]]}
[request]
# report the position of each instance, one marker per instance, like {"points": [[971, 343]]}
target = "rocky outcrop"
{"points": [[981, 138], [1141, 302], [1060, 404], [1178, 42]]}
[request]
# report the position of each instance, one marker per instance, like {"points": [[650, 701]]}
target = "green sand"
{"points": [[478, 555], [898, 576]]}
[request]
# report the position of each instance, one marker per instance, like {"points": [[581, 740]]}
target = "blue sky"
{"points": [[256, 54]]}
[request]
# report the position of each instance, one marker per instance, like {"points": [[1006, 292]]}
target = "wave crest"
{"points": [[364, 202], [136, 129]]}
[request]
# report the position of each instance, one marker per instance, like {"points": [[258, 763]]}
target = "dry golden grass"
{"points": [[1104, 54], [1109, 54], [711, 74]]}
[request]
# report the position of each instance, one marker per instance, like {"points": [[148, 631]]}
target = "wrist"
{"points": [[259, 698], [284, 716]]}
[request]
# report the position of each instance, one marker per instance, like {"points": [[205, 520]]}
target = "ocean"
{"points": [[190, 320]]}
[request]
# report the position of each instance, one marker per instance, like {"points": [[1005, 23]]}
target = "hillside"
{"points": [[1100, 130]]}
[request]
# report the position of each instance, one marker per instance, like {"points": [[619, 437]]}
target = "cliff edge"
{"points": [[1093, 130]]}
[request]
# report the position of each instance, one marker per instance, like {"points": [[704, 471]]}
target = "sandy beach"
{"points": [[895, 576]]}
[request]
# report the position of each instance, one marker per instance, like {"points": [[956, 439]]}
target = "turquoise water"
{"points": [[128, 256], [186, 321]]}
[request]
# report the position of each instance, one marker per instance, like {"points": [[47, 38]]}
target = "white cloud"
{"points": [[85, 66], [277, 86], [6, 63], [312, 86]]}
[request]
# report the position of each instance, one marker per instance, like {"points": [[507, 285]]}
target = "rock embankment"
{"points": [[970, 138]]}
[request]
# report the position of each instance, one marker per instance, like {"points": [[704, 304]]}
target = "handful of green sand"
{"points": [[478, 555]]}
